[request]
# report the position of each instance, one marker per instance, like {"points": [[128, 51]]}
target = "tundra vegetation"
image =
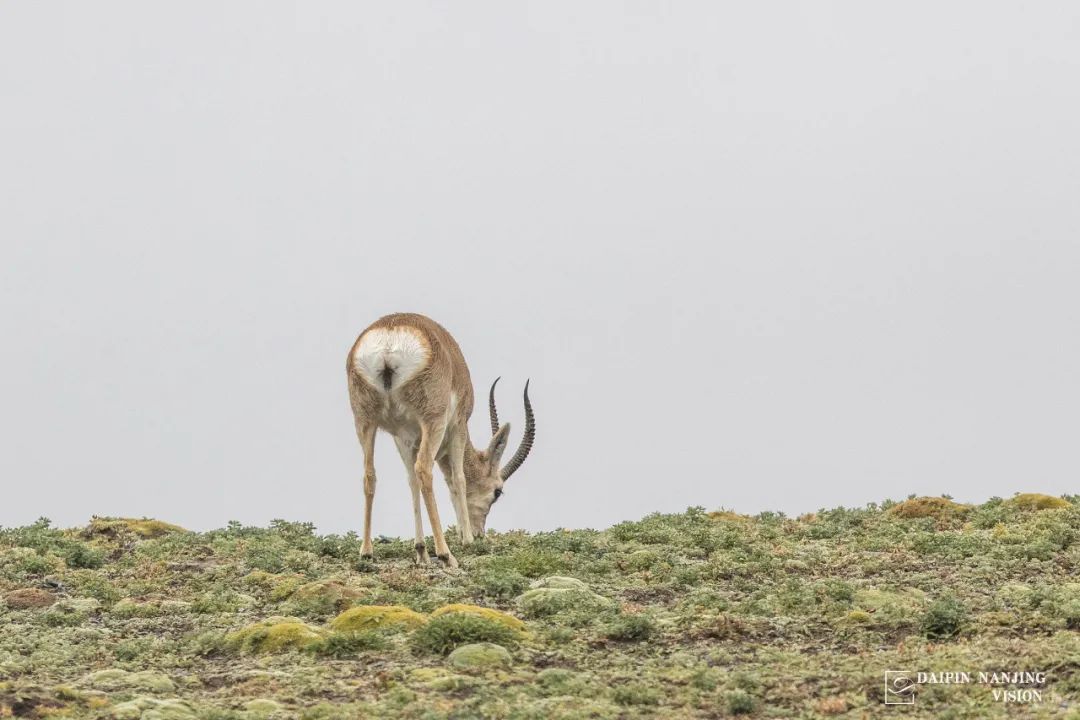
{"points": [[691, 615]]}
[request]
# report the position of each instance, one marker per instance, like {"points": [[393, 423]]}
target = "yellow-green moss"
{"points": [[280, 586], [543, 601], [275, 634], [283, 586], [143, 527], [427, 674], [642, 560], [888, 606], [377, 617], [477, 657], [117, 679], [495, 615], [259, 578], [921, 507], [262, 707], [128, 608], [1037, 501]]}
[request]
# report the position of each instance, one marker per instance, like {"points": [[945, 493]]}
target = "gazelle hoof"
{"points": [[421, 554], [449, 560]]}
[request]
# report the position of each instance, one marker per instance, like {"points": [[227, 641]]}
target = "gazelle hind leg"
{"points": [[431, 437], [408, 456], [366, 434]]}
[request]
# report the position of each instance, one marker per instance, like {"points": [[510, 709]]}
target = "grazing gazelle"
{"points": [[407, 376]]}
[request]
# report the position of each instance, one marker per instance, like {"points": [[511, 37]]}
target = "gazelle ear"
{"points": [[498, 445]]}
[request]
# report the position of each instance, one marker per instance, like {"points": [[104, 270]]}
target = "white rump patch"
{"points": [[394, 353]]}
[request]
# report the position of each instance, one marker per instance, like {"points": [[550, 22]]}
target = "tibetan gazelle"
{"points": [[407, 376]]}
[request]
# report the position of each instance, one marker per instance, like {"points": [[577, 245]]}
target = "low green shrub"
{"points": [[82, 555], [636, 694], [444, 633], [630, 628], [739, 702], [342, 645], [501, 584], [944, 618]]}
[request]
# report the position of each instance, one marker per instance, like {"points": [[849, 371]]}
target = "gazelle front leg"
{"points": [[408, 456], [366, 434], [456, 480], [431, 437]]}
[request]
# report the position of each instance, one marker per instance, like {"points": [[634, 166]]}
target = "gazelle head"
{"points": [[484, 477]]}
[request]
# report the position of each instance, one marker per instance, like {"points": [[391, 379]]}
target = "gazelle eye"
{"points": [[498, 494]]}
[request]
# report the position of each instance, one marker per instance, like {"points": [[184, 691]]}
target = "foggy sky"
{"points": [[752, 255]]}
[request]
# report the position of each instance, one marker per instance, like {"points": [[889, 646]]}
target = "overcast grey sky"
{"points": [[754, 255]]}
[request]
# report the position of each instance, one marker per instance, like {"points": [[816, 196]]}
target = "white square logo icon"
{"points": [[899, 687]]}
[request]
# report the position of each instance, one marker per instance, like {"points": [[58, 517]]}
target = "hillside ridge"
{"points": [[685, 615]]}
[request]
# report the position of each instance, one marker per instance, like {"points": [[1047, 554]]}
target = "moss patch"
{"points": [[276, 634], [118, 679], [262, 707], [143, 527], [326, 593], [283, 586], [260, 579], [377, 617], [487, 613], [149, 608], [860, 617], [479, 657], [921, 507], [1037, 501], [541, 602]]}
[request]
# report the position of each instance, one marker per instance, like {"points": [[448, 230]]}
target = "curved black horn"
{"points": [[526, 441], [491, 407]]}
